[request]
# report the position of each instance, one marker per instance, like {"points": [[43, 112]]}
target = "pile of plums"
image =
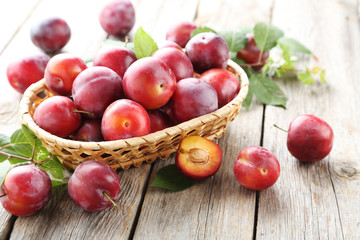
{"points": [[120, 96]]}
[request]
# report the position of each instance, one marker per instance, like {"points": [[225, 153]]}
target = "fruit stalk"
{"points": [[112, 201], [280, 128]]}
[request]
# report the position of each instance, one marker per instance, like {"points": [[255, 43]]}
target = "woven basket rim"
{"points": [[37, 87]]}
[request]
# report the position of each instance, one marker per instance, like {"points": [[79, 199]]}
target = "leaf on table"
{"points": [[235, 40], [201, 30], [4, 168], [144, 44], [323, 76], [315, 70], [305, 77], [294, 45], [266, 36], [286, 54], [171, 179], [267, 91]]}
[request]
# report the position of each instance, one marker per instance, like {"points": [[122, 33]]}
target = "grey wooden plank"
{"points": [[216, 208], [319, 200]]}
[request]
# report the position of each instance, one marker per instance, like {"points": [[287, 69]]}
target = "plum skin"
{"points": [[207, 50], [256, 168], [117, 18], [117, 59], [123, 119], [27, 189], [61, 72], [178, 62], [310, 138], [180, 33], [50, 34], [89, 131], [88, 184], [26, 71], [193, 97], [150, 82], [159, 120], [57, 116], [95, 88], [226, 84]]}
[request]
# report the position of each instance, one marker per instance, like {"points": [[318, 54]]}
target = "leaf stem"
{"points": [[20, 157], [112, 201], [14, 156], [280, 128], [5, 146], [260, 56]]}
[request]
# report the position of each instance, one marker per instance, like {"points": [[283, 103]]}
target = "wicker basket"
{"points": [[132, 151]]}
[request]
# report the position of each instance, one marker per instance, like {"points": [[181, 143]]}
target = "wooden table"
{"points": [[309, 201]]}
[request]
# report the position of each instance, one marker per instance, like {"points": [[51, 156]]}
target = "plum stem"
{"points": [[80, 111], [280, 128], [127, 39], [112, 201]]}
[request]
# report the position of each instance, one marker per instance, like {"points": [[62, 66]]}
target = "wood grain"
{"points": [[319, 200], [12, 17], [217, 208]]}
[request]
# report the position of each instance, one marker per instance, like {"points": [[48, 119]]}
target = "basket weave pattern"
{"points": [[132, 151]]}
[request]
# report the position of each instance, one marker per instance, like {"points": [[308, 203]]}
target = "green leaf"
{"points": [[55, 183], [4, 168], [20, 144], [171, 179], [266, 36], [4, 140], [235, 40], [266, 68], [54, 167], [247, 101], [267, 91], [294, 45], [18, 137], [315, 70], [144, 45], [29, 135], [201, 30], [306, 77], [323, 76]]}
